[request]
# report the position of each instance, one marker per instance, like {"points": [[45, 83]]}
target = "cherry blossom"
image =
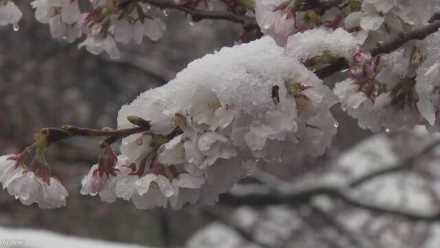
{"points": [[276, 18], [211, 131], [97, 45], [63, 17], [9, 13], [31, 185], [378, 94]]}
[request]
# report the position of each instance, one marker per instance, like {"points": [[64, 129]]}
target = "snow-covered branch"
{"points": [[392, 44]]}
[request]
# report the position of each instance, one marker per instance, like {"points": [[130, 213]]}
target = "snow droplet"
{"points": [[190, 20], [15, 27], [387, 130], [336, 125], [165, 12], [114, 56]]}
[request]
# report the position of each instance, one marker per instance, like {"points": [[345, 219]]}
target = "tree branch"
{"points": [[339, 227], [302, 197], [198, 14], [321, 6], [283, 197], [158, 73], [309, 219], [57, 134], [403, 165], [225, 220], [396, 42], [387, 47]]}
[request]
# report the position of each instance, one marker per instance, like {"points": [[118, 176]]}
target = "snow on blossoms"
{"points": [[321, 46], [9, 14], [395, 91], [379, 19], [226, 113], [30, 182], [380, 92], [389, 11], [280, 19]]}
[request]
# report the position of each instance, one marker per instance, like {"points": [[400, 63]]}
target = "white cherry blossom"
{"points": [[63, 17], [9, 13], [97, 45], [276, 19], [207, 135], [28, 187]]}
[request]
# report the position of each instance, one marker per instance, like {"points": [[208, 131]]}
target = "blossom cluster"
{"points": [[252, 105], [30, 182], [9, 13], [383, 92], [219, 129], [103, 23], [368, 20]]}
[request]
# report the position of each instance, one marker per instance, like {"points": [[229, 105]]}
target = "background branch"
{"points": [[335, 193], [198, 14], [403, 165], [225, 220], [336, 225]]}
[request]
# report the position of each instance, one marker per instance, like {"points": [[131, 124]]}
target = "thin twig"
{"points": [[198, 14], [216, 216], [300, 198], [281, 197], [58, 134], [339, 227], [308, 220], [403, 165]]}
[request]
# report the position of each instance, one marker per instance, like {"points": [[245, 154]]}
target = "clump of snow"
{"points": [[243, 106], [319, 41]]}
